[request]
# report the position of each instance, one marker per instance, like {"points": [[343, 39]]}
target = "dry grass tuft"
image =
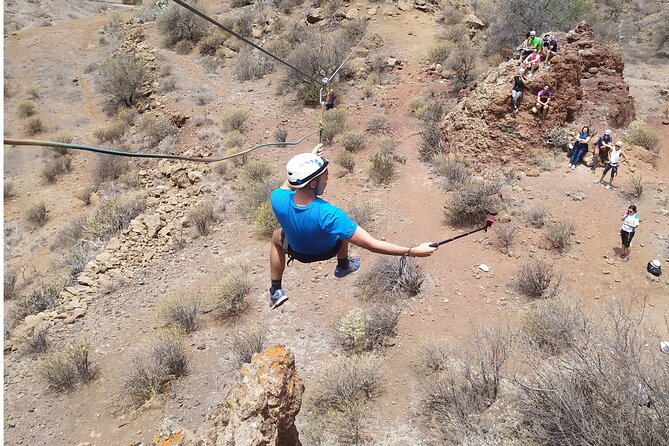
{"points": [[347, 161], [246, 343], [201, 218], [358, 331], [391, 277], [559, 234], [506, 234], [181, 309], [234, 119], [470, 204], [538, 279], [228, 293], [37, 215], [551, 326]]}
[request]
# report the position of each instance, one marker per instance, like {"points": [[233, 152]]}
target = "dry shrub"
{"points": [[433, 357], [452, 399], [33, 92], [505, 236], [281, 134], [344, 380], [637, 185], [382, 169], [451, 168], [238, 160], [228, 293], [536, 216], [64, 369], [11, 277], [210, 43], [37, 214], [246, 343], [376, 124], [85, 194], [152, 367], [156, 128], [201, 218], [256, 171], [109, 167], [431, 142], [346, 160], [352, 142], [264, 220], [43, 296], [334, 123], [252, 64], [34, 126], [234, 119], [439, 52], [361, 212], [55, 168], [38, 343], [551, 326], [9, 190], [114, 213], [638, 133], [27, 109], [76, 258], [69, 234], [255, 194], [611, 387], [112, 132], [358, 331], [124, 77], [184, 47], [558, 139], [428, 109], [559, 234], [233, 138], [538, 279], [391, 277], [470, 204], [177, 24]]}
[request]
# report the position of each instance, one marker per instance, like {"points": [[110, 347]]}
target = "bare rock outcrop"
{"points": [[262, 403], [589, 88]]}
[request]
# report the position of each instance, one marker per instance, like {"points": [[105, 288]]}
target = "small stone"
{"points": [[69, 320], [483, 267], [200, 346], [606, 271]]}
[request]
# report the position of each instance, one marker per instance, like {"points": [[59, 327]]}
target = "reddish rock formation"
{"points": [[586, 78], [262, 403]]}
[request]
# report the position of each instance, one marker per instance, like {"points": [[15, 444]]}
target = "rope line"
{"points": [[347, 57], [33, 142], [239, 36]]}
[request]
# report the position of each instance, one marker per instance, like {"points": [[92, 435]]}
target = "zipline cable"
{"points": [[239, 36], [32, 142], [329, 79]]}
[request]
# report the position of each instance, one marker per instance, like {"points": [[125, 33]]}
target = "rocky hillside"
{"points": [[589, 89]]}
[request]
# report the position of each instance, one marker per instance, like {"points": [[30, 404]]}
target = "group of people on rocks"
{"points": [[531, 55]]}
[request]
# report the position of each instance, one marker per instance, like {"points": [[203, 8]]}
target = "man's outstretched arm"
{"points": [[363, 239]]}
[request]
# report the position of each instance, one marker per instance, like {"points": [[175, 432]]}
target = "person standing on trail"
{"points": [[544, 98], [517, 90], [601, 151], [313, 230], [615, 156], [580, 147], [630, 223]]}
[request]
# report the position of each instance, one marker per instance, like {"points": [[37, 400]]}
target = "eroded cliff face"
{"points": [[586, 78]]}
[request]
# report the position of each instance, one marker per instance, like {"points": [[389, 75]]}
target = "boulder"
{"points": [[314, 16], [474, 22], [262, 403]]}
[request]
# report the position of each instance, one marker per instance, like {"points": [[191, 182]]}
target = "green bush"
{"points": [[383, 169], [264, 220]]}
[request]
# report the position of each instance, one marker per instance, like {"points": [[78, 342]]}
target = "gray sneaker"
{"points": [[277, 299]]}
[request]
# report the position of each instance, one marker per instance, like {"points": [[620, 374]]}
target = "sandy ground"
{"points": [[457, 298]]}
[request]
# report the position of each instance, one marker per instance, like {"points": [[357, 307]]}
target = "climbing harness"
{"points": [[31, 142]]}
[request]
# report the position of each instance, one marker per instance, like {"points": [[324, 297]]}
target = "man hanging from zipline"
{"points": [[313, 230]]}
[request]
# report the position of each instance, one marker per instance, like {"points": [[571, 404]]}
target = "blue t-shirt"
{"points": [[314, 228]]}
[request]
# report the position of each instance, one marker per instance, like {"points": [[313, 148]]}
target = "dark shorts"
{"points": [[308, 258], [626, 237], [613, 168]]}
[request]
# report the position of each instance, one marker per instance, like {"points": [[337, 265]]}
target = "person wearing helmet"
{"points": [[517, 90], [313, 230], [616, 156], [602, 147]]}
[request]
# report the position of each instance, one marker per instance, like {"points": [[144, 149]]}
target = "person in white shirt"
{"points": [[616, 156], [630, 223]]}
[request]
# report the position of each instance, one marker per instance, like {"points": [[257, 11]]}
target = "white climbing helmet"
{"points": [[534, 109], [305, 167], [607, 132], [533, 33]]}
